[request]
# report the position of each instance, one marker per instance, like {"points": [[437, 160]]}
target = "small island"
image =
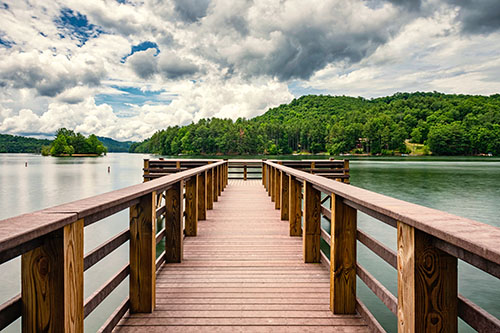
{"points": [[69, 143]]}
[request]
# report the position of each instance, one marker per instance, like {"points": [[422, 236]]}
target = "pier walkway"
{"points": [[242, 272]]}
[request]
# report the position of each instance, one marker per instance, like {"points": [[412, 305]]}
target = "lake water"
{"points": [[468, 187]]}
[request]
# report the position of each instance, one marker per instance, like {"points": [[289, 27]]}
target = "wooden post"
{"points": [[342, 257], [219, 180], [272, 185], [427, 284], [210, 189], [178, 165], [312, 224], [285, 196], [263, 174], [173, 223], [146, 171], [216, 183], [245, 172], [295, 206], [313, 165], [142, 255], [52, 282], [346, 172], [226, 174], [202, 196], [191, 222], [277, 189]]}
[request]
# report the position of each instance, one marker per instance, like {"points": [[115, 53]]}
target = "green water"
{"points": [[468, 187]]}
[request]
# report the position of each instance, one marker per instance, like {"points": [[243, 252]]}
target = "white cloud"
{"points": [[228, 58]]}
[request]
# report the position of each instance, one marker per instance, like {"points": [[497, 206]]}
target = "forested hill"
{"points": [[21, 144], [446, 124]]}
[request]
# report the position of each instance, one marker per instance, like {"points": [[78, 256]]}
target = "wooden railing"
{"points": [[245, 169], [332, 169], [429, 242], [50, 243], [162, 167]]}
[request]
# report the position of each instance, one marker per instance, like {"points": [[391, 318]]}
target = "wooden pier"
{"points": [[237, 258]]}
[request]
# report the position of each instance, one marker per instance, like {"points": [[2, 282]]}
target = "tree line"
{"points": [[446, 124]]}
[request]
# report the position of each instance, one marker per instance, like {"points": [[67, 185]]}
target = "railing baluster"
{"points": [[312, 224], [277, 189], [210, 189], [142, 282], [285, 196], [342, 257], [427, 284], [173, 223], [295, 206], [191, 226], [216, 184], [52, 282], [202, 196]]}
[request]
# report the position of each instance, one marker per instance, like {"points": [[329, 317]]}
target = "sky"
{"points": [[125, 68]]}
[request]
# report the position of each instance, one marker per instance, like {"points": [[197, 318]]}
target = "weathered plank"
{"points": [[202, 196], [191, 206], [295, 206], [285, 196], [173, 223]]}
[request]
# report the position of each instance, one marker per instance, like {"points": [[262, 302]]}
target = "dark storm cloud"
{"points": [[478, 17], [191, 10], [146, 64], [409, 4], [176, 68]]}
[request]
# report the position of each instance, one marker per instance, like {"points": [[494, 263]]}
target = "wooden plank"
{"points": [[343, 257], [295, 206], [312, 224], [427, 284], [52, 283], [272, 187], [243, 270], [10, 311], [210, 190], [285, 196], [191, 209], [94, 256], [173, 223], [146, 170], [142, 249], [216, 184], [202, 196]]}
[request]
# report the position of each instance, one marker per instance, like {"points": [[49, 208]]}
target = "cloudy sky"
{"points": [[126, 68]]}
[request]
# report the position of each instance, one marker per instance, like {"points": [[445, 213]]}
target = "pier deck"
{"points": [[242, 272]]}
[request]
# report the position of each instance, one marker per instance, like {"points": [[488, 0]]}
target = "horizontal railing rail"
{"points": [[50, 242], [245, 169], [332, 169], [429, 243]]}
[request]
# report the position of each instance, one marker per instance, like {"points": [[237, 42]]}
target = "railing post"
{"points": [[202, 196], [285, 196], [210, 189], [313, 165], [142, 255], [342, 257], [263, 173], [272, 182], [173, 223], [216, 184], [52, 283], [245, 172], [178, 165], [226, 174], [277, 189], [191, 225], [219, 180], [295, 206], [346, 171], [427, 284], [312, 224], [146, 170]]}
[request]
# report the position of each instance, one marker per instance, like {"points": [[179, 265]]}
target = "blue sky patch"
{"points": [[77, 26], [5, 6], [121, 103], [142, 47], [298, 90]]}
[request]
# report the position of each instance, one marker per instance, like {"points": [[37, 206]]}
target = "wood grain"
{"points": [[427, 284], [173, 223], [343, 257], [277, 189], [216, 184], [202, 196], [191, 209], [142, 249], [295, 206], [52, 283], [210, 189], [285, 196], [312, 224]]}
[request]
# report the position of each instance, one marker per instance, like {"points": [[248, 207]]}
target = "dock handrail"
{"points": [[429, 243], [50, 242]]}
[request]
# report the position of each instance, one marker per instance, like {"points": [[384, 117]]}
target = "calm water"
{"points": [[468, 187]]}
